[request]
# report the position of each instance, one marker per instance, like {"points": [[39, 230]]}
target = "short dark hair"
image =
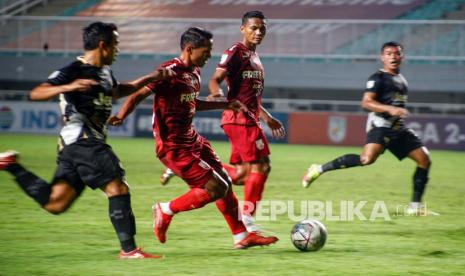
{"points": [[391, 44], [252, 14], [96, 32], [195, 36]]}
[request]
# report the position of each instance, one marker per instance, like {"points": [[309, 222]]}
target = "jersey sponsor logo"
{"points": [[256, 74], [103, 101], [337, 128], [188, 97], [223, 59], [370, 84], [260, 145], [54, 75]]}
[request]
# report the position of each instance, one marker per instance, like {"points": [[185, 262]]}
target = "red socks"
{"points": [[253, 190], [229, 207], [195, 198]]}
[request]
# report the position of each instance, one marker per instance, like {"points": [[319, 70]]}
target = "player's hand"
{"points": [[81, 85], [115, 120], [163, 73], [237, 106], [277, 128], [398, 112]]}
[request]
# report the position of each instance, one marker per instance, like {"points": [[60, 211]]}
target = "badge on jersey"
{"points": [[370, 84], [259, 144], [224, 57]]}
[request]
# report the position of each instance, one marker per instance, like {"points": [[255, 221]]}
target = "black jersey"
{"points": [[389, 90], [85, 113]]}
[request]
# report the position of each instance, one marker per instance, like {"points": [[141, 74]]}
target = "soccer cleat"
{"points": [[254, 239], [138, 254], [418, 209], [161, 222], [166, 176], [7, 158], [312, 174]]}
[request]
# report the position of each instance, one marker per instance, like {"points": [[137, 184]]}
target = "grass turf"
{"points": [[82, 241]]}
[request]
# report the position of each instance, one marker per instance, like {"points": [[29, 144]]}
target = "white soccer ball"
{"points": [[309, 235]]}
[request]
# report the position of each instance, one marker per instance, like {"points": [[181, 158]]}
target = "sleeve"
{"points": [[62, 76], [373, 84], [229, 60], [156, 86]]}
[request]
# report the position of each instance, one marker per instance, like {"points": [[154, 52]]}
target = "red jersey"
{"points": [[174, 107], [245, 80]]}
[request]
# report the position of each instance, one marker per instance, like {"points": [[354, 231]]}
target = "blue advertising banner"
{"points": [[44, 118]]}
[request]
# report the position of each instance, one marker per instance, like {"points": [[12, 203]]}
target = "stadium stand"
{"points": [[304, 37], [435, 9], [145, 28]]}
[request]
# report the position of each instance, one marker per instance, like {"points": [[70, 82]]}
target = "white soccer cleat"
{"points": [[419, 209], [312, 174], [7, 158]]}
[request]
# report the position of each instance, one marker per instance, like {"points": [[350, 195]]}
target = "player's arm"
{"points": [[216, 93], [47, 91], [370, 103], [127, 88], [277, 128], [209, 105], [128, 106]]}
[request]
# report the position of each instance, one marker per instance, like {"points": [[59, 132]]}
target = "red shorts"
{"points": [[194, 165], [248, 143]]}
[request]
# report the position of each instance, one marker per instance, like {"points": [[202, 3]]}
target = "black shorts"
{"points": [[399, 142], [88, 163]]}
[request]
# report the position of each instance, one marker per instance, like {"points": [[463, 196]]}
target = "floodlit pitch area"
{"points": [[82, 241]]}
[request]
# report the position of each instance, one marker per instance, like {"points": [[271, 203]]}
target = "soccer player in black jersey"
{"points": [[385, 97], [86, 88]]}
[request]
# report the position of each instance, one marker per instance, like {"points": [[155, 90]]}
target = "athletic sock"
{"points": [[253, 189], [195, 198], [34, 186], [123, 220], [229, 207], [342, 162], [420, 178], [231, 172]]}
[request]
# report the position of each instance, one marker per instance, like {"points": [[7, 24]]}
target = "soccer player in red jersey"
{"points": [[179, 146], [241, 67]]}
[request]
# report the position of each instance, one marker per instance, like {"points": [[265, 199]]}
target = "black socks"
{"points": [[342, 162], [35, 187], [123, 220], [420, 178]]}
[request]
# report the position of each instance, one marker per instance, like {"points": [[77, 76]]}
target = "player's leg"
{"points": [[99, 167], [374, 146], [420, 177], [123, 220], [55, 198], [204, 188], [229, 207], [253, 191], [413, 148]]}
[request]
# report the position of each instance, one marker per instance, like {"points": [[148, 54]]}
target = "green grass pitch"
{"points": [[82, 241]]}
